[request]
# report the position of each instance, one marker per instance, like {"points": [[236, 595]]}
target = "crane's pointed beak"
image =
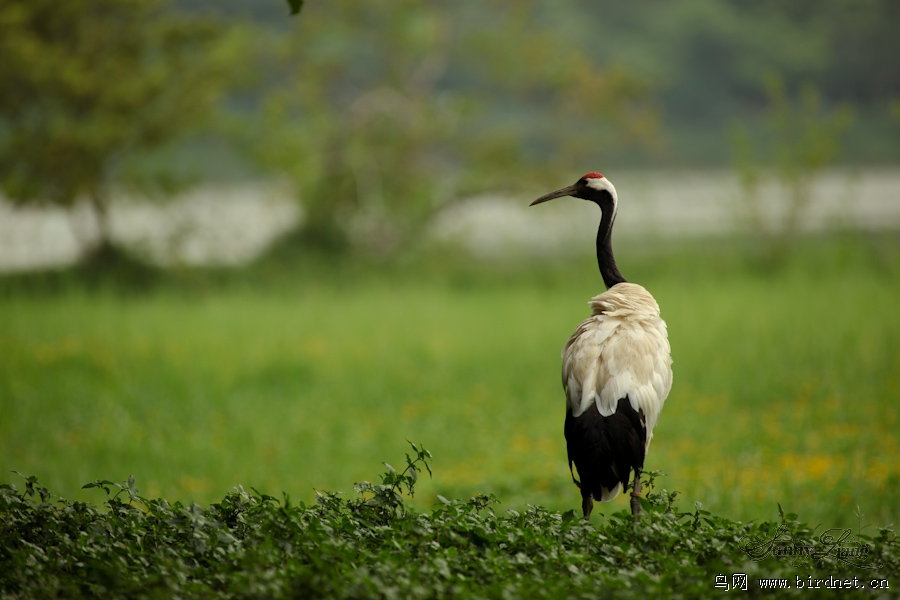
{"points": [[569, 190]]}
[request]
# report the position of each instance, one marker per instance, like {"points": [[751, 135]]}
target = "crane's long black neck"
{"points": [[605, 259]]}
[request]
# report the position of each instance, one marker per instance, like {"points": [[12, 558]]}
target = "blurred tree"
{"points": [[87, 83], [802, 139], [382, 117]]}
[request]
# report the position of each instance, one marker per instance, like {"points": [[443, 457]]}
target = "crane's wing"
{"points": [[621, 351]]}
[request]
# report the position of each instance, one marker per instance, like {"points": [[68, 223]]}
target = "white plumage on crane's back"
{"points": [[620, 351], [617, 369]]}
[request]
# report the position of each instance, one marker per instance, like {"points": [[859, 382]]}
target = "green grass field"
{"points": [[787, 380]]}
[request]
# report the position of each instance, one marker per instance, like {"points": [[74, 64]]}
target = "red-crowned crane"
{"points": [[616, 371]]}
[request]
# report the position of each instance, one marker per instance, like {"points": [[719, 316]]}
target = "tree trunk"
{"points": [[101, 218]]}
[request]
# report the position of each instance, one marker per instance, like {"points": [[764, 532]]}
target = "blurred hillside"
{"points": [[703, 60], [378, 122]]}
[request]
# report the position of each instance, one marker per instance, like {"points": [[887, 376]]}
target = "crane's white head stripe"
{"points": [[601, 183]]}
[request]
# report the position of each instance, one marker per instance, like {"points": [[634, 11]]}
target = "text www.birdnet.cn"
{"points": [[740, 582]]}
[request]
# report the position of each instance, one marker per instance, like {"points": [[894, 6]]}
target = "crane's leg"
{"points": [[636, 495], [587, 505]]}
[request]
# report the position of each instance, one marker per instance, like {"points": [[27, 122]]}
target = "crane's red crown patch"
{"points": [[592, 175]]}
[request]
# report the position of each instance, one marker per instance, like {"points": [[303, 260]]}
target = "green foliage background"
{"points": [[785, 379], [380, 119]]}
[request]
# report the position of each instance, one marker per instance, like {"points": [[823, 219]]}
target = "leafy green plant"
{"points": [[386, 500], [252, 545], [296, 6]]}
